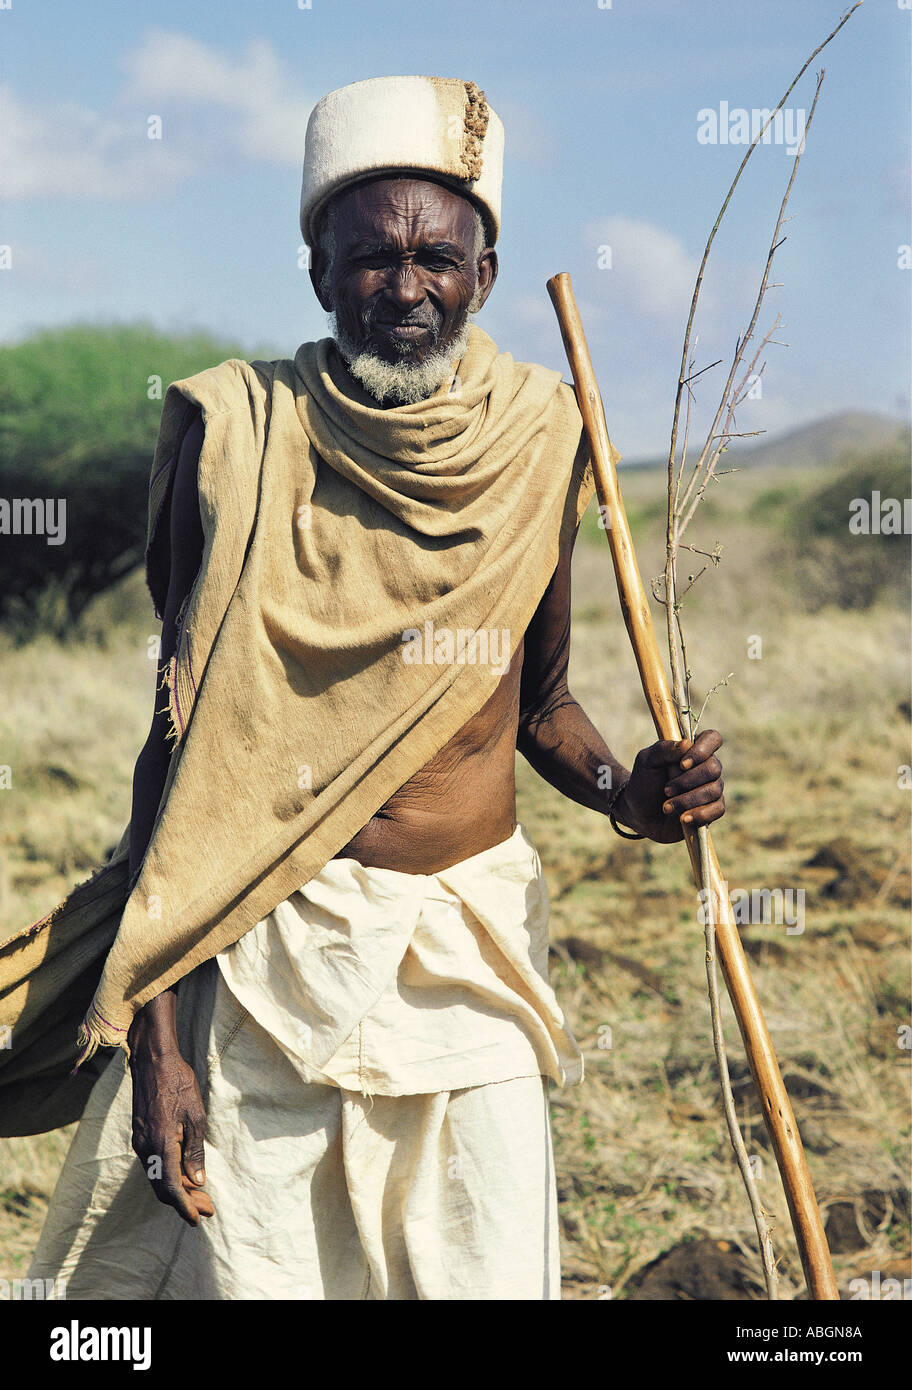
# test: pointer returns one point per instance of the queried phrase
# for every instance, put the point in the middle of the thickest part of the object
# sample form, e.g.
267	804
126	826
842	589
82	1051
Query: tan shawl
332	529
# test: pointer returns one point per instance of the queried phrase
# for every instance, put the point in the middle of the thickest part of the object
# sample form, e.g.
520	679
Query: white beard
403	382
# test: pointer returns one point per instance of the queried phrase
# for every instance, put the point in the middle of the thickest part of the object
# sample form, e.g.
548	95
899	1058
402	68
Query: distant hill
823	441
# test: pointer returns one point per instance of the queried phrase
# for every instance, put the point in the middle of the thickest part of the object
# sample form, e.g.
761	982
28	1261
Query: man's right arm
169	1118
185	548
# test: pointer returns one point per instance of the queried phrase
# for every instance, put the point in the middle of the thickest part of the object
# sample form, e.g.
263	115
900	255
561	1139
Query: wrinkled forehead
403	209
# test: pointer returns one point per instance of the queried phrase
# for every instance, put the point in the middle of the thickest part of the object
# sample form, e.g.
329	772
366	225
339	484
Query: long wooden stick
777	1110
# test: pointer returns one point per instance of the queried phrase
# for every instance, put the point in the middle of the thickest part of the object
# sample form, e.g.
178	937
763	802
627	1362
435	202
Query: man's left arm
669	781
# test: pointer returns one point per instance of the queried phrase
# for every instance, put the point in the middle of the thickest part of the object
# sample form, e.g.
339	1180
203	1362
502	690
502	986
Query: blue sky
600	105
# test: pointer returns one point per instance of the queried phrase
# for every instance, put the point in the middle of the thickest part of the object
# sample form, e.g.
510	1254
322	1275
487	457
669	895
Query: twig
680	511
711	691
724	207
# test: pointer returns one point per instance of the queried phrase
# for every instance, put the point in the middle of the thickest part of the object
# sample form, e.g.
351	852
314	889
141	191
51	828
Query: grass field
815	729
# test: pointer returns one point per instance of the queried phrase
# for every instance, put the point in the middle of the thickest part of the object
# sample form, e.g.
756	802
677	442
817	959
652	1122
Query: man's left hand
673	782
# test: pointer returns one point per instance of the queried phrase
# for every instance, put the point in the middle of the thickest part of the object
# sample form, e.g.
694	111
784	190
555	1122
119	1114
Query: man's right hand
169	1118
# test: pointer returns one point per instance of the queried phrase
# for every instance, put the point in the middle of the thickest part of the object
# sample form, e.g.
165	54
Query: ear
487	274
318	268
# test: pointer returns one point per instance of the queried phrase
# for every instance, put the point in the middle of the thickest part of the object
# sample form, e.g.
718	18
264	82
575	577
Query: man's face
403	275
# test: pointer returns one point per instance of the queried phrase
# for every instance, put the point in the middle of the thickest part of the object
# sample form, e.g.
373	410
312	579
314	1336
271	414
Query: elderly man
331	973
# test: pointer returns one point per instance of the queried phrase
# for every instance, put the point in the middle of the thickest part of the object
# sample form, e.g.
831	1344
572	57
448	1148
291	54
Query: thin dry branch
728	197
729	398
680	512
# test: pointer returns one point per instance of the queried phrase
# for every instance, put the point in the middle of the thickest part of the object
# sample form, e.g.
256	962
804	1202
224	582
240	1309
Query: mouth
403	331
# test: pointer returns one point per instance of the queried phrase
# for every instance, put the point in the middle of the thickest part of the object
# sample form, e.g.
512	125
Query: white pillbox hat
438	126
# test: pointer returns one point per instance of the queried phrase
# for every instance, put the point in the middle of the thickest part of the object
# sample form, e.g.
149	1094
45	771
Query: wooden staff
777	1110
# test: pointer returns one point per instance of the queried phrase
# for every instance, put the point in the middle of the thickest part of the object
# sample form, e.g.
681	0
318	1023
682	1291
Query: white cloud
534	310
651	272
65	149
271	112
68	150
634	316
528	136
35	267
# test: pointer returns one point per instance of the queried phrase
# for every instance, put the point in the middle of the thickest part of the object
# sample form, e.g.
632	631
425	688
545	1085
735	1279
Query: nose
403	289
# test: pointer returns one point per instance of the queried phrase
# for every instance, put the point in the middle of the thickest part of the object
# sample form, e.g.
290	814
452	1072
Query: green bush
831	564
79	415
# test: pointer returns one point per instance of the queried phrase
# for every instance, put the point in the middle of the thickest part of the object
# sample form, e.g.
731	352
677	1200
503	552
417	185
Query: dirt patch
762	948
841	873
852	1225
587	953
700	1271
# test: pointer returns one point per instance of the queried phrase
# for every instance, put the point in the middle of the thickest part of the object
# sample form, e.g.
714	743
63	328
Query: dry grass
814	734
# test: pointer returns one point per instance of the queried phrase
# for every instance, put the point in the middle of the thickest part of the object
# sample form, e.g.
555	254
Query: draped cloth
298	704
374	1060
392	983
